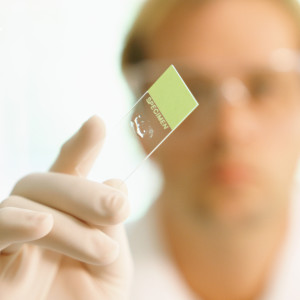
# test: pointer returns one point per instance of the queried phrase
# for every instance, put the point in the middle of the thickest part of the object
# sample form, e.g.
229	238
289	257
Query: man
217	230
219	226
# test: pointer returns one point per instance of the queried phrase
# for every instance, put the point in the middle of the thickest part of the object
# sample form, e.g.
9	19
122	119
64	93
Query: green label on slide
172	97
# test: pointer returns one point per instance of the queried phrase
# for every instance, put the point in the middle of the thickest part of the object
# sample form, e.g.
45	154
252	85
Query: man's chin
232	206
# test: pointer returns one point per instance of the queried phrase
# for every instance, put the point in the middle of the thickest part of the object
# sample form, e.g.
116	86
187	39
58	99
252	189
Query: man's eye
262	87
202	91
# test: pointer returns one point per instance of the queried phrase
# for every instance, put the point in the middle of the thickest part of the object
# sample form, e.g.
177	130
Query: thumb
78	154
117	184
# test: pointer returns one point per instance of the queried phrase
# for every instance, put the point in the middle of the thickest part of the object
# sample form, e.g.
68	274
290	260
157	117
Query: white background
59	65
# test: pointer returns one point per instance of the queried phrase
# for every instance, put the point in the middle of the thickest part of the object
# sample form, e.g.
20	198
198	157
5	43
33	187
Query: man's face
232	159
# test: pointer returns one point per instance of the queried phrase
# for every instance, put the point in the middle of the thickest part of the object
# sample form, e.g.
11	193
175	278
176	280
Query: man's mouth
230	174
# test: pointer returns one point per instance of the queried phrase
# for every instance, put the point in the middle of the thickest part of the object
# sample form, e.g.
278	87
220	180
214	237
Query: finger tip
118	184
117	210
110	255
94	127
44	224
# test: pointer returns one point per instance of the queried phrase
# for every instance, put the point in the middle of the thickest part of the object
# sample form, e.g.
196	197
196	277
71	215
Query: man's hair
153	14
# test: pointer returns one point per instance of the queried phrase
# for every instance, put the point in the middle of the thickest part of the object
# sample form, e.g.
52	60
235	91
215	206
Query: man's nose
235	119
234	91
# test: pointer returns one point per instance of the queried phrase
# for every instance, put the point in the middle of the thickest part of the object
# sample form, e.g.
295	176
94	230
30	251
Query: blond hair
153	14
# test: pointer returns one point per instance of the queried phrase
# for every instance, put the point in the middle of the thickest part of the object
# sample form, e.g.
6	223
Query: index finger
78	154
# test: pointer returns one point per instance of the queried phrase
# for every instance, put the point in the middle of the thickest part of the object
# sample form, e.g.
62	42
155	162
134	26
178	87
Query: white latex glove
61	235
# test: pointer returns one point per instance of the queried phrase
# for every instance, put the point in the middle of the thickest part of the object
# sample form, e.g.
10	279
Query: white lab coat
156	276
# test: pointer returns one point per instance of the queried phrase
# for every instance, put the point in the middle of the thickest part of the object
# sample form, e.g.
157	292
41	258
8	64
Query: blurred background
59	65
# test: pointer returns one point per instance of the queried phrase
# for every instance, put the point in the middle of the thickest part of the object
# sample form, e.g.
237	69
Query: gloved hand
61	235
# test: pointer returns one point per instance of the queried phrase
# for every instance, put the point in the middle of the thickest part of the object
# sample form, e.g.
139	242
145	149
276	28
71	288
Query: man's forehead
225	33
